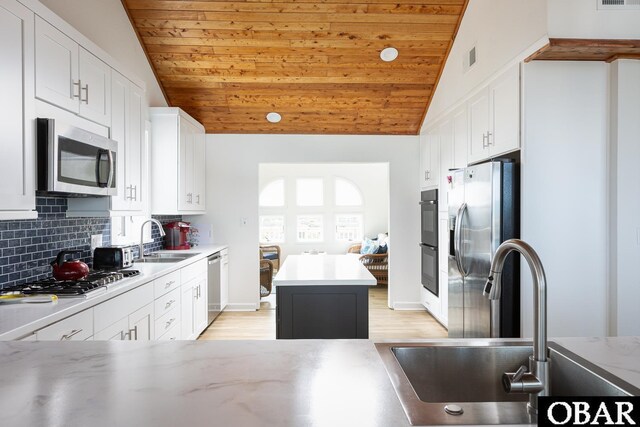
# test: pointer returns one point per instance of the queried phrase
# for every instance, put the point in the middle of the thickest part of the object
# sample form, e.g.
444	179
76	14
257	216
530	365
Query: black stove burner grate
68	288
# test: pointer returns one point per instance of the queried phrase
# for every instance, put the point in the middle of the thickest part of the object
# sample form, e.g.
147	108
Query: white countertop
18	320
230	383
315	270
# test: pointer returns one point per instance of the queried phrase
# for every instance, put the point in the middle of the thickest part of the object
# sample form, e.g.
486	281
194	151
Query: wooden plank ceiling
317	63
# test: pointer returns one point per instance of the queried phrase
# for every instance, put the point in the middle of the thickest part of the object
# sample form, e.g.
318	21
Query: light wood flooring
384	323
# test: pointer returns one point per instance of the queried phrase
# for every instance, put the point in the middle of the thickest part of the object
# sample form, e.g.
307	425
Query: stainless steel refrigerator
483	212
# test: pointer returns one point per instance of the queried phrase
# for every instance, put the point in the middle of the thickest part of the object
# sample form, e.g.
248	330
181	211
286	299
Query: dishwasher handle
214	259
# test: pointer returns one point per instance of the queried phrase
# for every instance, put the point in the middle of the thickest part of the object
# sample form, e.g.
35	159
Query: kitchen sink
428	376
165	257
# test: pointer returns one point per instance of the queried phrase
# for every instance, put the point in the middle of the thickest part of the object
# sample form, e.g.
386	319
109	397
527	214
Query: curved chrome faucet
536	381
162	233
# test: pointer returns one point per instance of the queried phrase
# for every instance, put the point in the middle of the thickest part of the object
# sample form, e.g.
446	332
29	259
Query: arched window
273	193
347	193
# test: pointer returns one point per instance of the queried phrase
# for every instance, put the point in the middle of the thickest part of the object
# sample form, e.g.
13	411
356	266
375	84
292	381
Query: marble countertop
314	270
228	383
19	320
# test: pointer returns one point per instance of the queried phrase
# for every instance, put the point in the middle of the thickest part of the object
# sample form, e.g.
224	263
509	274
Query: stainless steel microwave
74	161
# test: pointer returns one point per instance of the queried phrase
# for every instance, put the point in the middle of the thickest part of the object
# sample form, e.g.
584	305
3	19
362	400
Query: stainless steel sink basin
165	257
428	376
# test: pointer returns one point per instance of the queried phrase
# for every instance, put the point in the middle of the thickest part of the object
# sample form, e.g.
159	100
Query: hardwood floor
384	323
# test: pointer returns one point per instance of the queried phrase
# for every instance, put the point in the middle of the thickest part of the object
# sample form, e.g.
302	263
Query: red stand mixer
176	235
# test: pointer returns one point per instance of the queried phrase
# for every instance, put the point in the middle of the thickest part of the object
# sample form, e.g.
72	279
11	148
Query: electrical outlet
243	221
96	241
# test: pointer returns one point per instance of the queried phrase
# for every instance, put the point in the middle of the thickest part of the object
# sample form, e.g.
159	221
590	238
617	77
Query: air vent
469	59
619	4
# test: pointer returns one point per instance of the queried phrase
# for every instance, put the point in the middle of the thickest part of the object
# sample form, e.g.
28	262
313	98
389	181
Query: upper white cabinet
178	156
494	117
17	149
127	117
69	76
460	137
429	159
445	131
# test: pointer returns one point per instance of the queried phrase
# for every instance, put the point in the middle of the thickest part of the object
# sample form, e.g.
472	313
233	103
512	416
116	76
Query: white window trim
322	225
335	222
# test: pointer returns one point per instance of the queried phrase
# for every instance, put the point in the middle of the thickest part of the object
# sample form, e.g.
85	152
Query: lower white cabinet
118	331
194	308
142	324
171	307
127	317
78	327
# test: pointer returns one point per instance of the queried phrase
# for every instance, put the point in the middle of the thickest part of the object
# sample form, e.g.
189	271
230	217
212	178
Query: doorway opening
322	208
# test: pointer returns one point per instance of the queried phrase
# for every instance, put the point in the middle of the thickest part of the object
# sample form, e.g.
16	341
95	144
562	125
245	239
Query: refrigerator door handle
457	239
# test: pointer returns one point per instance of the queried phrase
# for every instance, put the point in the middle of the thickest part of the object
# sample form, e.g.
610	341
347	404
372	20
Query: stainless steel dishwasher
214	306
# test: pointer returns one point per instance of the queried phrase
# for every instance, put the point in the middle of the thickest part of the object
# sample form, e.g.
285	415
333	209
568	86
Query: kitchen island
322	296
258	383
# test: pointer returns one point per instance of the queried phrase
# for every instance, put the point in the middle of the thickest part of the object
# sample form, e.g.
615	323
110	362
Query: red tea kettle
69	270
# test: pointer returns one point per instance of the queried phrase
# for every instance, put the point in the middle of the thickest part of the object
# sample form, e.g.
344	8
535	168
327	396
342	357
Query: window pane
347	193
271	229
349	227
309	192
273	194
309	228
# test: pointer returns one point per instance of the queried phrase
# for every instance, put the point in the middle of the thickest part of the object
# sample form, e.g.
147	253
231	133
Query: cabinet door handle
489	138
86	92
133	333
169	303
129	188
135	193
68	336
73	87
198	199
426	175
169	322
485	140
169	284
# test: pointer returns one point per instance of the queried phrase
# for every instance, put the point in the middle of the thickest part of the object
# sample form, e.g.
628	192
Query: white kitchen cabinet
142	324
445	132
194	299
117	331
194	308
178	182
78	327
69	76
123	307
460	137
429	159
430	302
494	117
17	150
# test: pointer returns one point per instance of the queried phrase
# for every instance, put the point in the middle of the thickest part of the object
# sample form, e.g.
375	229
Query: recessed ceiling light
274	117
389	54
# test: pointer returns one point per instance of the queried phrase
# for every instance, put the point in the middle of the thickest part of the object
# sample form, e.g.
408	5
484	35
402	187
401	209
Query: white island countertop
315	270
295	383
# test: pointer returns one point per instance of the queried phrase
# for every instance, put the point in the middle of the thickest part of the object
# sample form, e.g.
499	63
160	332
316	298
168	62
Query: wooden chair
377	264
272	253
266	277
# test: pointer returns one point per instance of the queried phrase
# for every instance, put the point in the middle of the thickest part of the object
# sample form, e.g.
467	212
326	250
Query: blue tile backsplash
28	246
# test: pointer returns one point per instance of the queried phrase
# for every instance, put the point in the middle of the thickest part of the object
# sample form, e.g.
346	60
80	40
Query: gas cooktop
96	282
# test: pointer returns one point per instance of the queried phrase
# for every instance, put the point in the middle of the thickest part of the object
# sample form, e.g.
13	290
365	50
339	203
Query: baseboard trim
413	306
242	307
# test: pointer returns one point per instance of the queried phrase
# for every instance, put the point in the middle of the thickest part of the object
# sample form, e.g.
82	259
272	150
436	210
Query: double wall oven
429	240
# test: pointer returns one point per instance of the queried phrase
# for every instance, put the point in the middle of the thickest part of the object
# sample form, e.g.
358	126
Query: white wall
232	194
581	19
625	198
105	23
500	30
372	179
564	193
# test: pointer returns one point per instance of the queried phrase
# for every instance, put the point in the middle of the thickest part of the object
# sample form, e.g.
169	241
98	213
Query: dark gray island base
322	312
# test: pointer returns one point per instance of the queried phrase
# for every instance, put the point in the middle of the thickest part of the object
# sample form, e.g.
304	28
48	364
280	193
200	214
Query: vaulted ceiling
316	63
